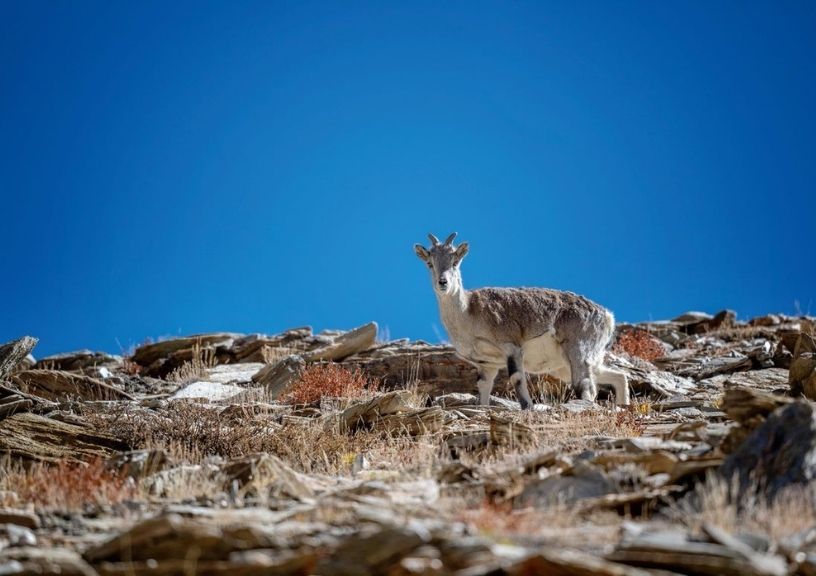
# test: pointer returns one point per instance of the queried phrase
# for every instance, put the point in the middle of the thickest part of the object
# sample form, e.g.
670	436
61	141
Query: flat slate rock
78	360
13	353
149	353
31	437
62	385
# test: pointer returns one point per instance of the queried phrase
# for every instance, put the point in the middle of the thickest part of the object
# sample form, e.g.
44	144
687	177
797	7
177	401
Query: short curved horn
434	239
450	239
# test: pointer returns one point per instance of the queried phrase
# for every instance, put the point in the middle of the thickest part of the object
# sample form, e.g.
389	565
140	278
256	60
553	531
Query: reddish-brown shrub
69	486
332	380
640	343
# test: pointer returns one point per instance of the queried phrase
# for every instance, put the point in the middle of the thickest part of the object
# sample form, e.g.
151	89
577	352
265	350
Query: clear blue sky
179	167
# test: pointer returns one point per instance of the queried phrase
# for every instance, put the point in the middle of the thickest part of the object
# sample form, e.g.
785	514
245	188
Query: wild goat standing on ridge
534	330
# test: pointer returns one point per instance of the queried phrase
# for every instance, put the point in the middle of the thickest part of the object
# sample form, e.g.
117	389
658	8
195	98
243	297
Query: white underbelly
545	354
542	355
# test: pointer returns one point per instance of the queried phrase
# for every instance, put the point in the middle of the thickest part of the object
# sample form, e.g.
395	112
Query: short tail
610	327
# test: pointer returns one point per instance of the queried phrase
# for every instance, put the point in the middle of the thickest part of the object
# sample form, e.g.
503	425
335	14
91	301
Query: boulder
584	481
365	414
778	454
802	378
268	474
277	378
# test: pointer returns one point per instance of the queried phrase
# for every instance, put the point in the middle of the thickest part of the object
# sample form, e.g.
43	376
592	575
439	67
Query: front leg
515	369
487	375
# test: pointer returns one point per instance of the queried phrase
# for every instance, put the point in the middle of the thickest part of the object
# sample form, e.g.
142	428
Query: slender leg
582	381
615	378
515	369
487	375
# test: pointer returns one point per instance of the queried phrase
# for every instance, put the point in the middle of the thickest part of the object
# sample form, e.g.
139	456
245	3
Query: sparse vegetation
640	343
185	430
67	486
719	502
323	445
558	524
330	380
202	359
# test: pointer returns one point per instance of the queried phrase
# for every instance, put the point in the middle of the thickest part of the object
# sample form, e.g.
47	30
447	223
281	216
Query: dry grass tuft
717	501
330	380
640	343
195	368
314	448
556	524
188	432
66	486
548	389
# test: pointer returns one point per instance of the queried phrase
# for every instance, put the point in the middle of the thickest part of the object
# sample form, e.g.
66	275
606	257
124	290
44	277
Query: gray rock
345	344
61	385
577	406
585	481
277	379
139	463
18	535
803	367
778	454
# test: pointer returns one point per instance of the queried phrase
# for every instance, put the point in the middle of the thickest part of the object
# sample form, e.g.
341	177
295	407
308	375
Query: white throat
453	307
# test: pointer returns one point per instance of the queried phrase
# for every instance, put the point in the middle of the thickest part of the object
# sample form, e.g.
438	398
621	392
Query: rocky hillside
334	453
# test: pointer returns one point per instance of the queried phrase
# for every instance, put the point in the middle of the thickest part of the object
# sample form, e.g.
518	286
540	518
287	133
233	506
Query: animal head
443	261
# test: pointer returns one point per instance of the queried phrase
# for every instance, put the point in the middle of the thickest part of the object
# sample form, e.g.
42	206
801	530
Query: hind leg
616	379
515	368
582	381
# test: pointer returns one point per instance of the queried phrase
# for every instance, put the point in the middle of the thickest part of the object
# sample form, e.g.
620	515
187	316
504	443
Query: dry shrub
630	421
576	431
68	486
548	389
640	343
557	523
186	431
720	502
130	367
313	448
329	380
196	368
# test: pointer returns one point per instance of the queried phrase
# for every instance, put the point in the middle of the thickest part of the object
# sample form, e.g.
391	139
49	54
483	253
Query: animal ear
422	252
461	250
